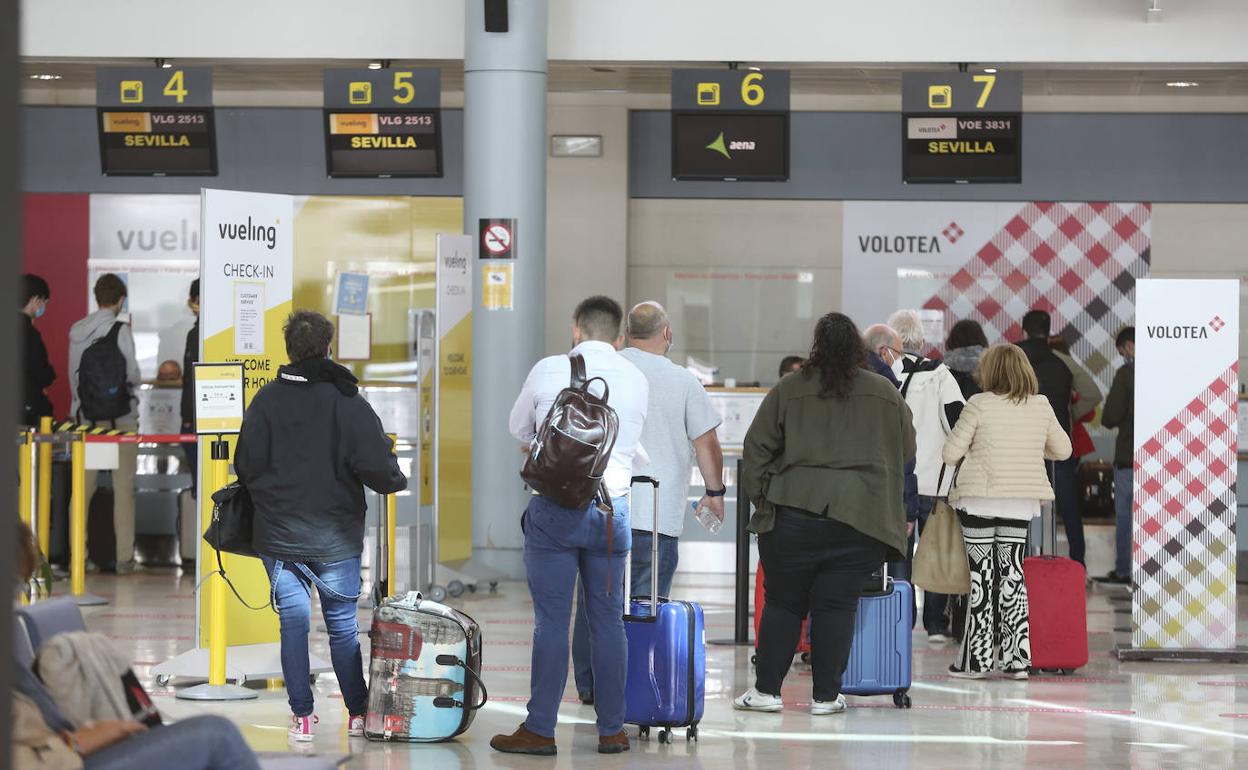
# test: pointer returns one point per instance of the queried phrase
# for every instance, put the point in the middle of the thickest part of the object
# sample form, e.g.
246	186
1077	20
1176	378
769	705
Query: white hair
879	336
909	327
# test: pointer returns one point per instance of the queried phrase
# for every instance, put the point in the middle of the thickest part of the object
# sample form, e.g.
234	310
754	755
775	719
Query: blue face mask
40	310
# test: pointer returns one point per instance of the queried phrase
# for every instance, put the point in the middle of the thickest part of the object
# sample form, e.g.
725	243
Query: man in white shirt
561	543
680	422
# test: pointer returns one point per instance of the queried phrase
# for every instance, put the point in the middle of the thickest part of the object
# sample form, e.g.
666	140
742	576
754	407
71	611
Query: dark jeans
338	583
1066	491
206	742
818	566
669	556
1123	491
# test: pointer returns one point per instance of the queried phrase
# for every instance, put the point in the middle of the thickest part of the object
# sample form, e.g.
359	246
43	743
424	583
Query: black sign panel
382	89
386	143
731	90
153	87
962	148
725	146
157	142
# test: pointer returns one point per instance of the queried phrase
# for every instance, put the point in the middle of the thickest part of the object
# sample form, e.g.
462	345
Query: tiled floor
1107	716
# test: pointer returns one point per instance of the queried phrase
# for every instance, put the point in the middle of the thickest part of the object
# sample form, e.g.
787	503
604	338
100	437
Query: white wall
711	31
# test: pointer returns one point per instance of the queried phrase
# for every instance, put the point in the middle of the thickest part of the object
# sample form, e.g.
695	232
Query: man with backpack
563	543
104	375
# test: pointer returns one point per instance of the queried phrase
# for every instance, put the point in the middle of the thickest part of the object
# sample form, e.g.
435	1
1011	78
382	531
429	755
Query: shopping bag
940	562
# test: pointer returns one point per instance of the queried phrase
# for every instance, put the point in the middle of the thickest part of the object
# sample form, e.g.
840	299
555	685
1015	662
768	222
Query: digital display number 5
752	92
176	87
987	81
404	91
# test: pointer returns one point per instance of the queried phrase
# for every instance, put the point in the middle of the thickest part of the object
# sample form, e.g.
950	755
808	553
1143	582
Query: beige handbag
940	563
35	746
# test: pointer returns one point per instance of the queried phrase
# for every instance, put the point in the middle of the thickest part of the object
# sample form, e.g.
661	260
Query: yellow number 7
988	82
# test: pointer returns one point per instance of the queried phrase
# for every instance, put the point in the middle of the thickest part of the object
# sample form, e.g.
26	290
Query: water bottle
707	518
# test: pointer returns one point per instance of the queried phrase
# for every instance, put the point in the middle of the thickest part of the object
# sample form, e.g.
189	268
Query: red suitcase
1057	610
760	599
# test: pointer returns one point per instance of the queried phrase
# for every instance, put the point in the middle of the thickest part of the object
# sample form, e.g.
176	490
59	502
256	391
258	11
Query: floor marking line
1141	720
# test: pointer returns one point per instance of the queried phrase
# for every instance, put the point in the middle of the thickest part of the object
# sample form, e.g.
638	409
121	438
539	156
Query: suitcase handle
453	660
654	546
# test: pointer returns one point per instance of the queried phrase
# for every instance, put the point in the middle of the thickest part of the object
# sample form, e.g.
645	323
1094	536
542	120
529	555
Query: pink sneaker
301	728
355	727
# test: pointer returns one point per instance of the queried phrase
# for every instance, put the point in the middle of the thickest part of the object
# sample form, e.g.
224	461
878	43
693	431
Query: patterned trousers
996	616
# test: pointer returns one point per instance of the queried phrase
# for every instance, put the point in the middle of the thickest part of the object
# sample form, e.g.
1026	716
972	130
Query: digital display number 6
752	92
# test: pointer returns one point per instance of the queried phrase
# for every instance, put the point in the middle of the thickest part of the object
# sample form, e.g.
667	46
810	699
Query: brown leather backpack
569	454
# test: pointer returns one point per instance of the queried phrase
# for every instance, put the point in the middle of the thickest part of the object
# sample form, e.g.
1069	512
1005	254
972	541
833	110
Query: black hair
33	286
1126	335
194	295
308	335
966	333
836	355
599	318
787	363
1037	323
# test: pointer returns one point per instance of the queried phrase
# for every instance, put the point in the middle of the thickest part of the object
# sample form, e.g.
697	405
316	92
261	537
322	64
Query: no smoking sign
498	238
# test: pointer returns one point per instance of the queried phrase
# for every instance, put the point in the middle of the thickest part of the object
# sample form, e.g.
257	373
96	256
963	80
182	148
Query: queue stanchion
78	524
741	582
25	481
217	689
43	489
391	531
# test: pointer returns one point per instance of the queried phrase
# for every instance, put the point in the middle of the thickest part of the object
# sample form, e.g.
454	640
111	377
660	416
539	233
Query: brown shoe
524	742
613	744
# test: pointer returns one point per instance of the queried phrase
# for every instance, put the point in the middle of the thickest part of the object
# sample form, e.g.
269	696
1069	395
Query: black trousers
813	565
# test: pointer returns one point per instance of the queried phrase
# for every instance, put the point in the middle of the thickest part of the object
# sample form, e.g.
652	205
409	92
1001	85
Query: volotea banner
246	269
453	394
1186	436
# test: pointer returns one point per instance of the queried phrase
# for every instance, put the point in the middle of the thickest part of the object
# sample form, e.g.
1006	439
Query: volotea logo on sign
1217	323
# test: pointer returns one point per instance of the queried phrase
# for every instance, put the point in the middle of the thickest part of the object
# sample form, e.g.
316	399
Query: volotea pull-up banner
1186	393
453	393
246	269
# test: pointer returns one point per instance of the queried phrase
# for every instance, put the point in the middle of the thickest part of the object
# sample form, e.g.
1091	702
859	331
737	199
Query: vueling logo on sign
722	147
249	231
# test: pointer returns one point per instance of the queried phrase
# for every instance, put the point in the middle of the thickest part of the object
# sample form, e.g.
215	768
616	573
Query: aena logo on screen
1185	331
249	231
722	147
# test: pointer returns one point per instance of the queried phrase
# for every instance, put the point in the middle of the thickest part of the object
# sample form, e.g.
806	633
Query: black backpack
569	454
103	390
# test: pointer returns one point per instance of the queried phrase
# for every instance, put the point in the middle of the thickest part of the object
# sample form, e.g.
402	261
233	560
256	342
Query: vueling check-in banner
246	268
453	458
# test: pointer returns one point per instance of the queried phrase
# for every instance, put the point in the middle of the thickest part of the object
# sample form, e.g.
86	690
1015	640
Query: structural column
504	178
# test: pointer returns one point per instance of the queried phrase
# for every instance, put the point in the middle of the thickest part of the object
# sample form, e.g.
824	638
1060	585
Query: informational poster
1186	437
993	262
351	297
218	398
355	337
453	398
247	242
497	287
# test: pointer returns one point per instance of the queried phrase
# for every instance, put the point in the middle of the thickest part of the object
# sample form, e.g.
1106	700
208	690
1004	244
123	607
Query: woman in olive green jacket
824	464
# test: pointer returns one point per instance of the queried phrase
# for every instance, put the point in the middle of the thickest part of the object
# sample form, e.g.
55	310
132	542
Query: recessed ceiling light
45	76
1182	84
990	70
602	69
374	65
755	69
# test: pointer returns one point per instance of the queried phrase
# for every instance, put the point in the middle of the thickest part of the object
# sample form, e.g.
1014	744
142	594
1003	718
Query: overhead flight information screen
730	146
155	142
394	143
963	148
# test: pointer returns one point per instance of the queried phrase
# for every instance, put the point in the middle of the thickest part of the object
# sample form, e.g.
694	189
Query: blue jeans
1066	492
561	544
206	742
338	583
1124	489
669	556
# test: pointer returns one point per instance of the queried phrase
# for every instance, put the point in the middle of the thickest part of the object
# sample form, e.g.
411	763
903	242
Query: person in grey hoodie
110	294
963	349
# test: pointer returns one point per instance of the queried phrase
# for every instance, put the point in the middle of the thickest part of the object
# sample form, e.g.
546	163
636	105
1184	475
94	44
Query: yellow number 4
987	81
176	87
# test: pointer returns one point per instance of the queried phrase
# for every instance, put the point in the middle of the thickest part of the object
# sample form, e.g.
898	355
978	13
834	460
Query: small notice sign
497	290
498	238
352	296
218	398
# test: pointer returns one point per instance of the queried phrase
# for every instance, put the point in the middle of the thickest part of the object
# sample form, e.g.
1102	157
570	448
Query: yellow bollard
44	490
216	585
78	518
24	470
391	530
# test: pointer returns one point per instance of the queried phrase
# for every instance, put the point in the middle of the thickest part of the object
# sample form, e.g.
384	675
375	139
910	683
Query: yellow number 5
176	87
752	89
988	81
405	92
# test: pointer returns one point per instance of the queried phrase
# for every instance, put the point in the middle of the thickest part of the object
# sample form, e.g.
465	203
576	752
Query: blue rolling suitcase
880	659
666	684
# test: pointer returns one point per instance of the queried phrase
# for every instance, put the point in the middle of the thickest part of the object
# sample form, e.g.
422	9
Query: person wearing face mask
38	373
679	416
936	400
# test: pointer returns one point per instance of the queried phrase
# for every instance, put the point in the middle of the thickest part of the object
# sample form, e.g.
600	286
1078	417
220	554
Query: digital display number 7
987	81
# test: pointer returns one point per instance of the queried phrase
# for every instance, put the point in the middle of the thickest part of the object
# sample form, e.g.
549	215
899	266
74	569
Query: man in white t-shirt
680	423
563	544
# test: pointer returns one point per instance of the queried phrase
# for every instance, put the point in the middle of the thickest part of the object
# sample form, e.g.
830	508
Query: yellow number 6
988	81
404	90
752	89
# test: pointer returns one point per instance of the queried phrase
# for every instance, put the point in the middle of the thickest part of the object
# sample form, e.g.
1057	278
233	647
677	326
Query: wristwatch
716	492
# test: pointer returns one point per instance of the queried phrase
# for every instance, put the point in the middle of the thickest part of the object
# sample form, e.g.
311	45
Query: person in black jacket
308	447
37	371
1057	385
1119	412
189	356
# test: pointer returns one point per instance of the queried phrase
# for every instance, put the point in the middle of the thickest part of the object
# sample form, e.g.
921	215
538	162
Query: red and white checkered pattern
953	233
1079	261
1184	512
1217	323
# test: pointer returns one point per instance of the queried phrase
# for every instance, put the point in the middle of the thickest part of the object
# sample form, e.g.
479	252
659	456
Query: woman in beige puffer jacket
1002	440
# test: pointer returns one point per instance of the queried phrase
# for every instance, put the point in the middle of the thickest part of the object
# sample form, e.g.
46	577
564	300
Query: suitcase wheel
805	657
643	733
691	734
754	659
901	700
163	680
455	588
665	735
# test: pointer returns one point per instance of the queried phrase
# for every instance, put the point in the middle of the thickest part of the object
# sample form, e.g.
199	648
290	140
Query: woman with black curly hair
824	465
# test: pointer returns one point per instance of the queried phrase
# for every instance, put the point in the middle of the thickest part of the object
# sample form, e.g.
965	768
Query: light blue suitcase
882	653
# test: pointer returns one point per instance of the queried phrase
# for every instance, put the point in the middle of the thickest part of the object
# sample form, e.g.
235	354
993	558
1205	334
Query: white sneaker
302	728
957	674
821	708
938	639
1021	675
753	700
355	727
